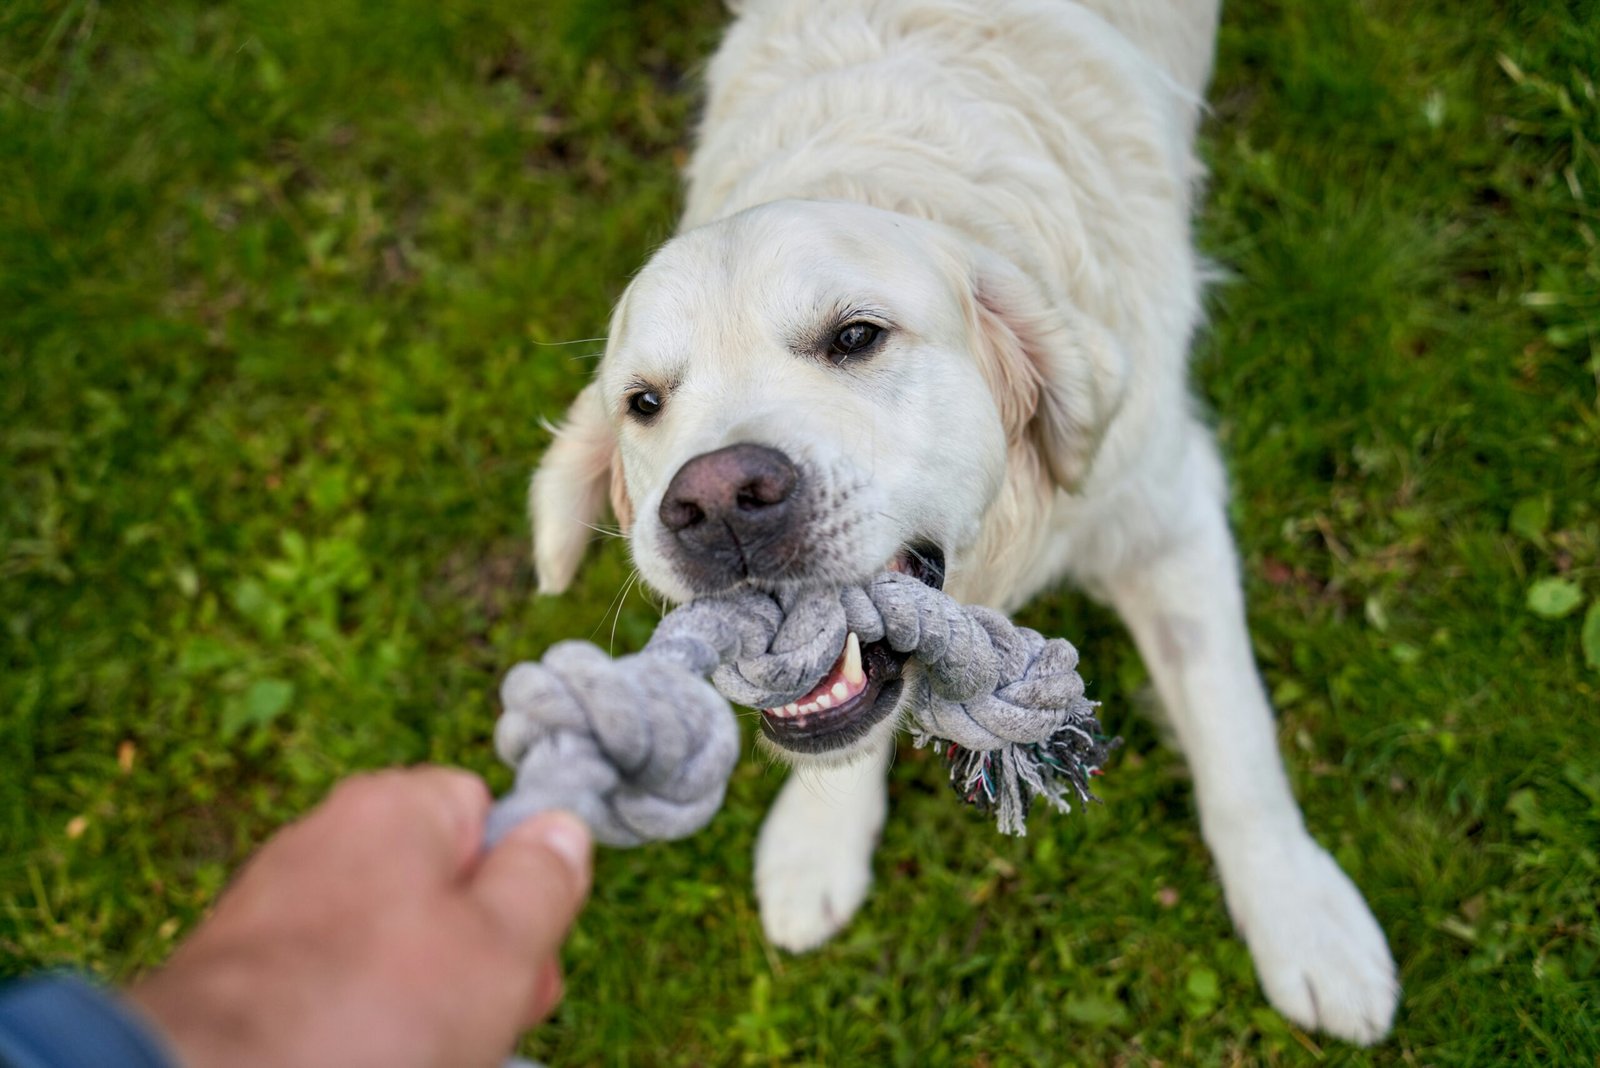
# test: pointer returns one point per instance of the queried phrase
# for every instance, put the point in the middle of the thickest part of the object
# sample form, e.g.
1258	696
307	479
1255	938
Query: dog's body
933	301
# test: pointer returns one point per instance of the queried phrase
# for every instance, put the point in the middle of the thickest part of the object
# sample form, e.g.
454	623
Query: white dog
930	307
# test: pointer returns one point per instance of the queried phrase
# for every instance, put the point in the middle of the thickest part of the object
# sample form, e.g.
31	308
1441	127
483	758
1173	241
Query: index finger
434	810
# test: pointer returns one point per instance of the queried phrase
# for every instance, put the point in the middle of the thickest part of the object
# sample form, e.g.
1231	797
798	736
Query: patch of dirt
487	581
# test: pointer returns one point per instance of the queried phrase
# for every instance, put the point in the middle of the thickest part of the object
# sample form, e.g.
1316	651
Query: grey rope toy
641	747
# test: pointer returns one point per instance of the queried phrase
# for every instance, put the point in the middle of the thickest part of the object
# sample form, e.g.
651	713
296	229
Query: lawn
287	289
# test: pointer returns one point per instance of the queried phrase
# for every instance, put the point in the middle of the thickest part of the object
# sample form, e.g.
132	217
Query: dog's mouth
861	688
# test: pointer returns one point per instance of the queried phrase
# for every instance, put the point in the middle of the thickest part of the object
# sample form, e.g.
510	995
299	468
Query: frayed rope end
1004	782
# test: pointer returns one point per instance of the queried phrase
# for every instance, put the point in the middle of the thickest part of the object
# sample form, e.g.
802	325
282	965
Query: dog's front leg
1320	955
814	855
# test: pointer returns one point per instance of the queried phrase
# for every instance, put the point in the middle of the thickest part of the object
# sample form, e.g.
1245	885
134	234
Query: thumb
534	882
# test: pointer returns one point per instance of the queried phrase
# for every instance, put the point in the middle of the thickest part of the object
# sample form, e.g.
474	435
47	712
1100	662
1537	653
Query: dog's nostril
764	493
681	515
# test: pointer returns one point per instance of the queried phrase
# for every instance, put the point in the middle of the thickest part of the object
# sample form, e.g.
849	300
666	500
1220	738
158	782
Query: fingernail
566	836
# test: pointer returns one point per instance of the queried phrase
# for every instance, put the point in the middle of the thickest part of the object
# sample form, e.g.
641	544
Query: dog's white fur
1008	183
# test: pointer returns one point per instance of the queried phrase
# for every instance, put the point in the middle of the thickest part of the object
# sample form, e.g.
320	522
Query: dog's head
808	392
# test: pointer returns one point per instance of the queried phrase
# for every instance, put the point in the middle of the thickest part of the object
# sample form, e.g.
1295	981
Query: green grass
280	291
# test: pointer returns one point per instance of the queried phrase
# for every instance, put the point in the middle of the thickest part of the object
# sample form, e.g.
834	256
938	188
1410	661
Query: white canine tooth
825	701
840	691
852	661
791	708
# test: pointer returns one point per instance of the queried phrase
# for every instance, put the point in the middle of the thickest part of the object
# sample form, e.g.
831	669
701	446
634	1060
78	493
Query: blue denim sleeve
61	1022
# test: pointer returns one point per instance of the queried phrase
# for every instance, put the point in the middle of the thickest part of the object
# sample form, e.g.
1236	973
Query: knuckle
362	786
367	793
463	786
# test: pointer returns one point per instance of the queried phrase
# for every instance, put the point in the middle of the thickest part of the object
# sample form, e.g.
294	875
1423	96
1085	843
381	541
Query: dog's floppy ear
1057	376
580	469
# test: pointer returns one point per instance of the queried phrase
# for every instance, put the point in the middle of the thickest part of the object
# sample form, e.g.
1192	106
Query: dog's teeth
852	661
850	680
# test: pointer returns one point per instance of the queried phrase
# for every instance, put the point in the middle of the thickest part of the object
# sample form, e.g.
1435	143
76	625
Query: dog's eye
852	340
645	404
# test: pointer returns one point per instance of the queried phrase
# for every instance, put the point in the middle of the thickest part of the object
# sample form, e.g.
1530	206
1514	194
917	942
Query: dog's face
807	393
790	386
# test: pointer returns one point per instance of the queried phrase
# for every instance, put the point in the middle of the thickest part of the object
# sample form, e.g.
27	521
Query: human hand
375	932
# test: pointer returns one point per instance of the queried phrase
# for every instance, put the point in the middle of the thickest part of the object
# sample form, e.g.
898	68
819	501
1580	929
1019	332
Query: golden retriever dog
930	308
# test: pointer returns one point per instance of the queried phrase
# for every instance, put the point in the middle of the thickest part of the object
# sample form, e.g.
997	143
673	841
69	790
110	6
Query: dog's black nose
745	487
731	511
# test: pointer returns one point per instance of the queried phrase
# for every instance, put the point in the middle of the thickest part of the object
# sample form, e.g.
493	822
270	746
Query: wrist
207	1007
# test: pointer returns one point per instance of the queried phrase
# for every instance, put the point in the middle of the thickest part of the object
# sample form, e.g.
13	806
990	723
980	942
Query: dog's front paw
814	856
1319	953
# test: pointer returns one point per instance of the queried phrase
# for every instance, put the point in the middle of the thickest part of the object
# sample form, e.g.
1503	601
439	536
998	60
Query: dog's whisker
652	598
616	618
610	532
574	341
822	787
772	759
923	560
615	605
